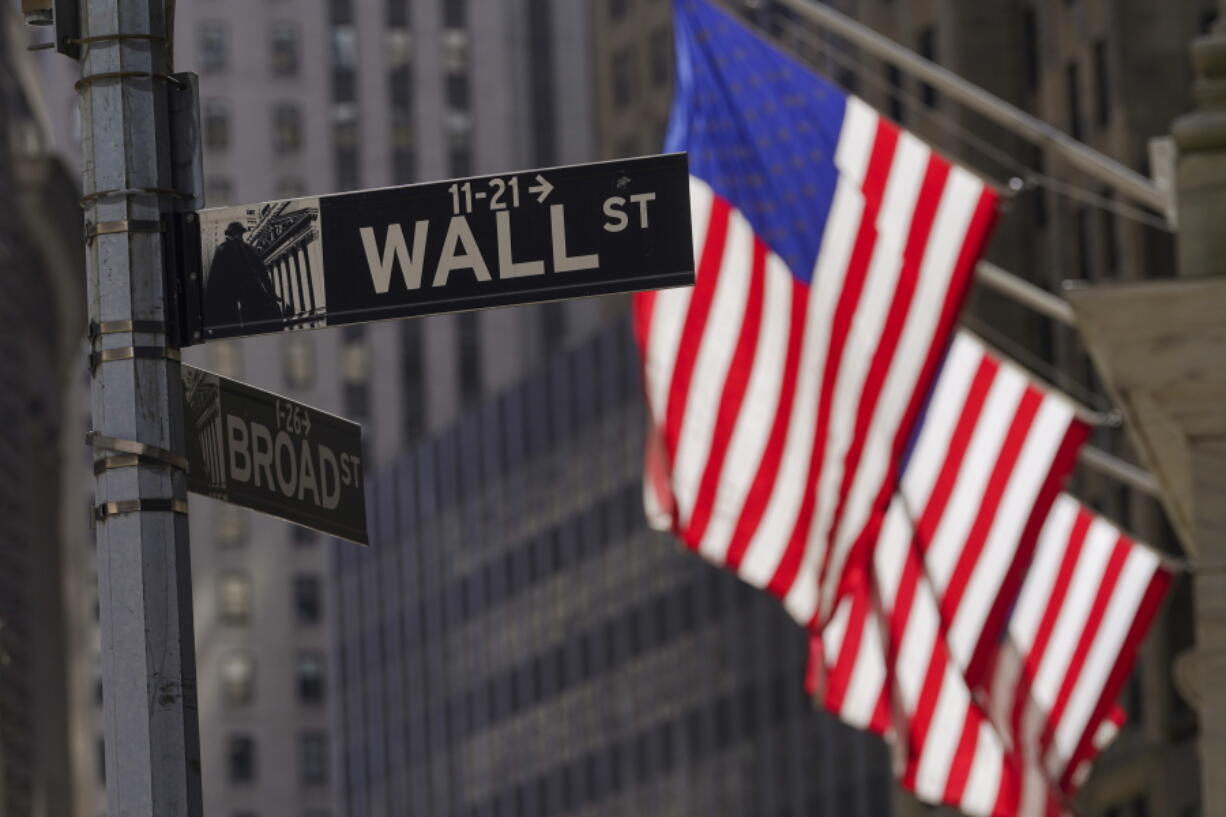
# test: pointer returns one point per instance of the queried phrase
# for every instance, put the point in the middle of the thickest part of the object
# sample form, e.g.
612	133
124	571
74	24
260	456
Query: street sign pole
150	725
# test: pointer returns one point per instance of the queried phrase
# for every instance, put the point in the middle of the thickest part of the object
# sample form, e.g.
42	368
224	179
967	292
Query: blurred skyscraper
43	526
518	643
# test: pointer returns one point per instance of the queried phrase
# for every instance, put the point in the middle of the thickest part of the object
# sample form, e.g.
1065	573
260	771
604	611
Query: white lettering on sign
618	218
297	469
460	250
612	209
507	266
395	252
561	261
641	200
458	232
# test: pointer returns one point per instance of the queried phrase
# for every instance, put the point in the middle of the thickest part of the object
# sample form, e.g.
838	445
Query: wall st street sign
264	452
396	252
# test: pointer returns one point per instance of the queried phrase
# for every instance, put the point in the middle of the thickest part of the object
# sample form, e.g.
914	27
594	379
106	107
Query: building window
240	758
460	154
894	107
400	87
1102	84
1030	47
238	679
928	50
283	48
457	92
303	537
289	187
661	57
226	358
455	13
235	598
404	154
355	371
214	47
541	73
553	327
1109	233
340	12
216	124
397	13
413	400
309	678
618	9
219	191
1085	263
1072	84
308	599
624	77
469	329
231	526
404	165
299	358
1038	194
344	64
313	758
286	128
348	158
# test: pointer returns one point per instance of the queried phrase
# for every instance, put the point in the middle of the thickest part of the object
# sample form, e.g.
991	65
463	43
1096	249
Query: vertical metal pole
144	575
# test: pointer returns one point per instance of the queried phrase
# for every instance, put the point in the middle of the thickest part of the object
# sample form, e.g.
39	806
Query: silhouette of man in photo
239	289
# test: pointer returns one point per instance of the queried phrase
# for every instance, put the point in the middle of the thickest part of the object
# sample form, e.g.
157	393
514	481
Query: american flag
1085	606
1022	682
941	635
834	252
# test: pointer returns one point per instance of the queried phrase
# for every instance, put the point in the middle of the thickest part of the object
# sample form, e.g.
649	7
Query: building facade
517	642
43	526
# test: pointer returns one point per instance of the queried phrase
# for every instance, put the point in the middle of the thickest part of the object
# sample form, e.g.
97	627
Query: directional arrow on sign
543	189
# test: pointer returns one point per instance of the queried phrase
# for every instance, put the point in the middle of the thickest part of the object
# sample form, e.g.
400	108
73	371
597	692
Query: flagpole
1091	162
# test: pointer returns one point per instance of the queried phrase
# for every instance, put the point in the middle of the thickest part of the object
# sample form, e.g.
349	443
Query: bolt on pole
150	722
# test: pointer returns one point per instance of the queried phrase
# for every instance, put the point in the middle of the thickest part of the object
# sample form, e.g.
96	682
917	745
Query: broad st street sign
535	235
264	452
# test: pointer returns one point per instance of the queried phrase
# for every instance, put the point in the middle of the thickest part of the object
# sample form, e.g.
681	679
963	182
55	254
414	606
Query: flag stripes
1071	642
799	436
781	406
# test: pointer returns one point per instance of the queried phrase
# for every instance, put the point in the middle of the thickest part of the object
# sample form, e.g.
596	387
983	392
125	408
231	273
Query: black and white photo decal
263	266
205	440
